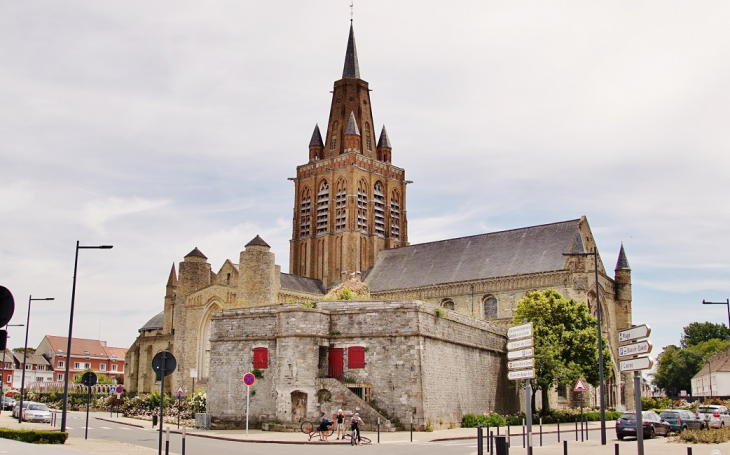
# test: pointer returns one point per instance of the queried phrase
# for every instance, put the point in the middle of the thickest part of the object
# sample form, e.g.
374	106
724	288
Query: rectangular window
261	358
43	367
30	367
77	365
10	377
62	364
76	377
355	357
115	366
102	367
87	366
59	376
40	379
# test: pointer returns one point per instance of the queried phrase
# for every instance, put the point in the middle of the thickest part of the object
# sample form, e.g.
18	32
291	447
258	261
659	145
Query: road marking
106	428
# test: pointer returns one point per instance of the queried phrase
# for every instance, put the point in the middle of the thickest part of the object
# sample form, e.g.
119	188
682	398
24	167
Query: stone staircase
352	402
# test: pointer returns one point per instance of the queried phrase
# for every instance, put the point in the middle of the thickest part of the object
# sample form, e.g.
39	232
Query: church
364	320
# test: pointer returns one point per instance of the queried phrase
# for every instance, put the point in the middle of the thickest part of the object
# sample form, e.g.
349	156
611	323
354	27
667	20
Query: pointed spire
316	138
623	262
384	141
172	281
352	125
352	69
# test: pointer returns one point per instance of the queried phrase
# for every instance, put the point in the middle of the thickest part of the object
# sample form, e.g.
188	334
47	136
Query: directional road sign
642	347
580	386
639	363
520	331
519	344
521	374
634	333
519	364
529	352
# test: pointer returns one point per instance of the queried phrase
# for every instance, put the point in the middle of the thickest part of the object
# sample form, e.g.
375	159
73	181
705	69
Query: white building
714	378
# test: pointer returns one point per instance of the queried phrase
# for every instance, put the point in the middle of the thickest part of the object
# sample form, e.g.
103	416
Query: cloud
95	214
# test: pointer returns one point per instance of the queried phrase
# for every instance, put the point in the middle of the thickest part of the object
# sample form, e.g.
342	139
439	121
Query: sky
158	127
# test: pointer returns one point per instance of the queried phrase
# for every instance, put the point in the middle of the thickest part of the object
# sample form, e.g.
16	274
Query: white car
715	416
37	412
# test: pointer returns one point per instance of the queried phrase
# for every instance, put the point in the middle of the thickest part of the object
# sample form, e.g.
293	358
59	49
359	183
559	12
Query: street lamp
727	302
600	343
70	329
25	354
2	375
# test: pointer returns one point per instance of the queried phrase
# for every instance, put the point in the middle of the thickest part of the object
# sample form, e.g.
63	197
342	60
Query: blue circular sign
249	379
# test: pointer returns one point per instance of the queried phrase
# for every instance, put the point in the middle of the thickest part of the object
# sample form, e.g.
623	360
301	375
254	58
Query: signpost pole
637	406
528	414
248	394
163	369
88	402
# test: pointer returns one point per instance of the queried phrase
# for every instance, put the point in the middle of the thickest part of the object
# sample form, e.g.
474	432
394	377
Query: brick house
85	354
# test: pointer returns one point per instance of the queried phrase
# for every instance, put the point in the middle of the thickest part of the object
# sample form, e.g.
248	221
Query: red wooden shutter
261	358
356	357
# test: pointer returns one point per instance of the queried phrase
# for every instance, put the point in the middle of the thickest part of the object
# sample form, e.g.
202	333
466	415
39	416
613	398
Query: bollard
497	430
540	431
523	433
508	435
167	441
689	450
411	429
586	430
480	441
183	441
378	430
488	432
491	442
581	430
565	447
558	430
615	449
500	445
576	431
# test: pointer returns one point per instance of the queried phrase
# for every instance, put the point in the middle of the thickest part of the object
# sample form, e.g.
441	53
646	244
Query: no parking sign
249	379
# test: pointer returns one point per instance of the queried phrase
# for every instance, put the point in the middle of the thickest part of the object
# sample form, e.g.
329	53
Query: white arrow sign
529	352
519	364
634	333
642	347
521	374
639	363
519	344
520	331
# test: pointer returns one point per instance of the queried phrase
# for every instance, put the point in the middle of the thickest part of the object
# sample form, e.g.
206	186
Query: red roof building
85	354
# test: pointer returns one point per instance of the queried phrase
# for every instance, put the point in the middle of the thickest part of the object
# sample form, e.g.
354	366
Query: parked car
8	404
651	422
16	409
36	412
680	420
715	416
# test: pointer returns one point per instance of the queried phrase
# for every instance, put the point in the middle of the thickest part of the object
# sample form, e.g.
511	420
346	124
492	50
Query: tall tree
698	332
566	342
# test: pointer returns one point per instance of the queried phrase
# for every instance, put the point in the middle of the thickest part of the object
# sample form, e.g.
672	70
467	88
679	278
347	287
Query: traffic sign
634	333
249	379
521	374
642	347
519	364
519	331
180	390
580	386
164	363
112	389
519	344
120	389
7	306
639	363
88	379
529	352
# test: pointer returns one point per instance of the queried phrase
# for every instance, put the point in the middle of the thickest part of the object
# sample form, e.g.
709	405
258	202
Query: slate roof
316	140
196	253
623	262
302	284
384	141
506	253
352	125
32	359
352	68
258	241
154	323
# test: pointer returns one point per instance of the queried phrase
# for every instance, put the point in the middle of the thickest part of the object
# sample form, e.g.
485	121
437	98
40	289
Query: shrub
492	420
34	436
710	436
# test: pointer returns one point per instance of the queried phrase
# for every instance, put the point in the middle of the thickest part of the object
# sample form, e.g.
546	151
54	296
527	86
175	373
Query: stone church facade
426	340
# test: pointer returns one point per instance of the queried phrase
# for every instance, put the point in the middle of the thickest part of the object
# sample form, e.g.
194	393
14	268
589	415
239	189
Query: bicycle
311	429
353	438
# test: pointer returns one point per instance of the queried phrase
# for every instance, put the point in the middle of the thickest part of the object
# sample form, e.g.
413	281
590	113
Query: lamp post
600	343
25	354
727	302
2	375
70	329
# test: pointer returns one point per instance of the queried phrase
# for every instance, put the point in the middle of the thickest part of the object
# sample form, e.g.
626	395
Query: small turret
194	272
316	146
170	293
622	277
259	280
384	147
352	135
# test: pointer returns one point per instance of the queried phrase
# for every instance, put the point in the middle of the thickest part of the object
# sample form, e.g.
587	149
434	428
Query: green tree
20	350
566	342
676	366
698	332
100	378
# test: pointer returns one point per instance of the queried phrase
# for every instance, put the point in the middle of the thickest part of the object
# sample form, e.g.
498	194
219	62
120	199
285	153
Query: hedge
34	436
496	420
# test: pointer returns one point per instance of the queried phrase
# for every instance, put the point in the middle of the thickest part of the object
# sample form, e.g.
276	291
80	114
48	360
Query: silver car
37	412
715	416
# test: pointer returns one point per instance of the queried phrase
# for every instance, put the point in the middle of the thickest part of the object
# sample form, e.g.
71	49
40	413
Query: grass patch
34	436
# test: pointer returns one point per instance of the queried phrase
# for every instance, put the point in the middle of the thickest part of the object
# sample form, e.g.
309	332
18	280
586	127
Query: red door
335	362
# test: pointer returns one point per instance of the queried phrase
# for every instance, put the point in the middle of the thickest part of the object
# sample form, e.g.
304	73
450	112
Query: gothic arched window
305	214
395	215
340	205
362	207
323	207
491	307
379	209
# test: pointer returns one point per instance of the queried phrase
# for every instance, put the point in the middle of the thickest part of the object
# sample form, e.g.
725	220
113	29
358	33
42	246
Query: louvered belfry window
379	209
362	207
323	207
340	205
395	216
305	214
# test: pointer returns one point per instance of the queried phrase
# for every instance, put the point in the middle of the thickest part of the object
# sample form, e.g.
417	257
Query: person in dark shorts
355	423
340	421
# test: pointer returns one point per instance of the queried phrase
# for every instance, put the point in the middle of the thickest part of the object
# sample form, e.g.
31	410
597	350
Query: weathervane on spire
352	4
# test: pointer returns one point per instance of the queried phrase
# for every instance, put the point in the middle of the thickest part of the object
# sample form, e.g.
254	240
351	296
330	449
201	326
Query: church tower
349	199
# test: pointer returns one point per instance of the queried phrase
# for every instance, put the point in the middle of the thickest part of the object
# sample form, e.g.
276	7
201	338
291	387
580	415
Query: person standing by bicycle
355	424
340	421
324	428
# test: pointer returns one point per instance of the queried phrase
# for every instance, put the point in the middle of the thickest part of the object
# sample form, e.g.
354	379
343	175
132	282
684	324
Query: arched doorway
298	406
204	341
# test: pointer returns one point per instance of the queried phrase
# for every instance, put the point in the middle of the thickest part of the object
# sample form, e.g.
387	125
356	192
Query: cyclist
324	428
355	423
340	419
